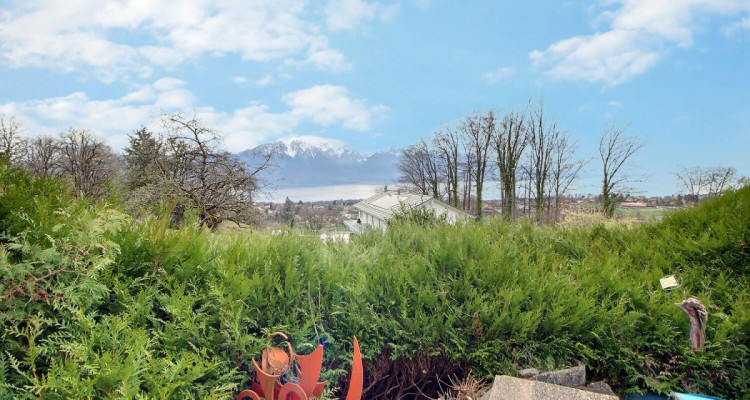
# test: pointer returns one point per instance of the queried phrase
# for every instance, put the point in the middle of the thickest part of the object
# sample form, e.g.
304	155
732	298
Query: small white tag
669	282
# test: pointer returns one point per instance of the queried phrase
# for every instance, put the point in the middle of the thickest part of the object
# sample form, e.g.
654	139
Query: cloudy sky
380	74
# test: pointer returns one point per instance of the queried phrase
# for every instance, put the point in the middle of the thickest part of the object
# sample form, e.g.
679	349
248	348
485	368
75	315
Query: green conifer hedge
96	304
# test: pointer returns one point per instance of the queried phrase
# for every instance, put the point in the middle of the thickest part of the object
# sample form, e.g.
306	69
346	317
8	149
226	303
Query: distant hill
311	162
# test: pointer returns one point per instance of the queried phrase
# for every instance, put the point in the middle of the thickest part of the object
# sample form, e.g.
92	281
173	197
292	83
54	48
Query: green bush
99	305
421	216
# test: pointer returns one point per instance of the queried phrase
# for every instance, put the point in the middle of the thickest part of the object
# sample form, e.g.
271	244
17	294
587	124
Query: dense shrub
422	216
96	304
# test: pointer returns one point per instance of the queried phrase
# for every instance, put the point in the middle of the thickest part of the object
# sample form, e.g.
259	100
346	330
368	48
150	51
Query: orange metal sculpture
276	361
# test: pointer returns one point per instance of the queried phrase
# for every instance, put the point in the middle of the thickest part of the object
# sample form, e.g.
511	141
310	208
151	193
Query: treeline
708	181
534	160
183	167
525	151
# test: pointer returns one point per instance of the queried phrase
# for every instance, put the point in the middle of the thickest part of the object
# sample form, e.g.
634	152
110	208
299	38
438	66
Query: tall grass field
98	304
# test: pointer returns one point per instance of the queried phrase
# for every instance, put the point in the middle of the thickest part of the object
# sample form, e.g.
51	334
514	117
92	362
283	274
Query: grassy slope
141	310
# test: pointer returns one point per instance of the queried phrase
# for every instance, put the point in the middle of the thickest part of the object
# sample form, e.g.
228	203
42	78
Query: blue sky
375	75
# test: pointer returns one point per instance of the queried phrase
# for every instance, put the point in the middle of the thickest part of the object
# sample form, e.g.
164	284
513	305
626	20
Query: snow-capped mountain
310	161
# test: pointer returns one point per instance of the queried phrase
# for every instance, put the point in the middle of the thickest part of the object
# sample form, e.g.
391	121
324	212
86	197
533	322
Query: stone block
528	373
570	377
599	387
510	388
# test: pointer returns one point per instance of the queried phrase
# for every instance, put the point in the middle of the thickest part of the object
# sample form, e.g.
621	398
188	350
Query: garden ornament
276	361
698	316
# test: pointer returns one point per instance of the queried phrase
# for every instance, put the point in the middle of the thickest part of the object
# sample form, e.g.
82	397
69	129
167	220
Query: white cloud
641	32
264	81
614	104
112	118
328	104
329	60
498	75
737	26
390	12
610	58
347	15
70	36
169	84
247	127
239	79
241	128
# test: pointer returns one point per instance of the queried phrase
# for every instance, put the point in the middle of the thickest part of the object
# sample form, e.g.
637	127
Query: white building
375	211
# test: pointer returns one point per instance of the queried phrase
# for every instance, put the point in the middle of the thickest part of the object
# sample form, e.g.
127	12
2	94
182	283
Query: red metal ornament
276	362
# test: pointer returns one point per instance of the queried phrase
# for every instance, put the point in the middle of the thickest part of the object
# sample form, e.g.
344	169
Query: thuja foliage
421	216
96	304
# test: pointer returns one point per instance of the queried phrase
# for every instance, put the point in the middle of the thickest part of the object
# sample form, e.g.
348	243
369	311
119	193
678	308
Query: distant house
375	211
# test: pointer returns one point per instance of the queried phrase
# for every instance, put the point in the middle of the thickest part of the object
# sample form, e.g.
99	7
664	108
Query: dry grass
468	388
586	220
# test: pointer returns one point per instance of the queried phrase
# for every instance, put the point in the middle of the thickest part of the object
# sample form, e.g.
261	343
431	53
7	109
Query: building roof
383	205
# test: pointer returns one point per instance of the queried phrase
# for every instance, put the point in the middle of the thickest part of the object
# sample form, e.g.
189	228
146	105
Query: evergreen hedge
96	304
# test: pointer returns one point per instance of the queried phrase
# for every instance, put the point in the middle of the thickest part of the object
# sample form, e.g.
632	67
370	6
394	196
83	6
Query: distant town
330	215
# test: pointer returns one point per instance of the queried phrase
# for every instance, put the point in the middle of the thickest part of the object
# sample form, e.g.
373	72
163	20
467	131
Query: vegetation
184	165
524	151
197	173
420	216
615	151
534	161
97	304
709	181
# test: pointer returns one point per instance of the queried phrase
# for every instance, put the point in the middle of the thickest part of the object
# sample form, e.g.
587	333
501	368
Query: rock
510	388
570	377
599	387
528	373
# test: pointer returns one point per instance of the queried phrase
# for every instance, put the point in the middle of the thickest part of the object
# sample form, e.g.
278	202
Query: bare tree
509	142
262	157
43	156
720	179
420	168
479	129
448	144
714	181
88	161
692	180
543	135
615	150
526	183
12	143
565	169
211	180
467	177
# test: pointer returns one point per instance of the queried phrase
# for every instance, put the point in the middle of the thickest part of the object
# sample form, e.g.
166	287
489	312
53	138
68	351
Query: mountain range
312	162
